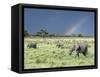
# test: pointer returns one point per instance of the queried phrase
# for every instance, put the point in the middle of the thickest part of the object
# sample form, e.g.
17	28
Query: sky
62	22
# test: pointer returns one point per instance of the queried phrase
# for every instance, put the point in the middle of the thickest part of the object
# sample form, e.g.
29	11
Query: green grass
47	55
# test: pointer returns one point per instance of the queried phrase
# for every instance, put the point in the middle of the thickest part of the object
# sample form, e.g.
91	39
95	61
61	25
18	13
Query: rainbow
74	26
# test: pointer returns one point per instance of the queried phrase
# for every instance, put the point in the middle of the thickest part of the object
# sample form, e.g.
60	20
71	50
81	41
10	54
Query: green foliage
43	33
80	35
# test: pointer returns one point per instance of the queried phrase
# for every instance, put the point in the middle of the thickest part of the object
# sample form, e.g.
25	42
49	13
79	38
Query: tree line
44	33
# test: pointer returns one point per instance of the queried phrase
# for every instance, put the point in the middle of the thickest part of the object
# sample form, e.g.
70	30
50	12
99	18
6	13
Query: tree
42	33
80	35
26	33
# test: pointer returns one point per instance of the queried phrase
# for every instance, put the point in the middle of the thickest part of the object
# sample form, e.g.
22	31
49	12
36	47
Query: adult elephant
79	48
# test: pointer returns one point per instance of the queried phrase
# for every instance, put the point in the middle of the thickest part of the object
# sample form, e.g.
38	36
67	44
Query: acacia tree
44	33
80	35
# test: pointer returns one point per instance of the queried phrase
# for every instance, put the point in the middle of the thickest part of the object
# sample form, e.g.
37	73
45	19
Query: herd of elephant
77	48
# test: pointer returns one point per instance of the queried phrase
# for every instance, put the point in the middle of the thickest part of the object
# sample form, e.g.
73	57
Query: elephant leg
77	54
84	54
70	53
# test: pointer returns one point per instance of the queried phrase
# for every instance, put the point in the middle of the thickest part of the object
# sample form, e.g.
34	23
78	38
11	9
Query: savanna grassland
48	55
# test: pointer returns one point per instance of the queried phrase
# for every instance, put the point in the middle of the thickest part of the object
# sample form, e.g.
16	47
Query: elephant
79	48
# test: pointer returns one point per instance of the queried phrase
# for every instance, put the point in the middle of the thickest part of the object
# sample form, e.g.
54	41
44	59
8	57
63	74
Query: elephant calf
32	45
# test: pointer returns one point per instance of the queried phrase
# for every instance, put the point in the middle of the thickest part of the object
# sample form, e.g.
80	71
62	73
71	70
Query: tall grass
47	55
